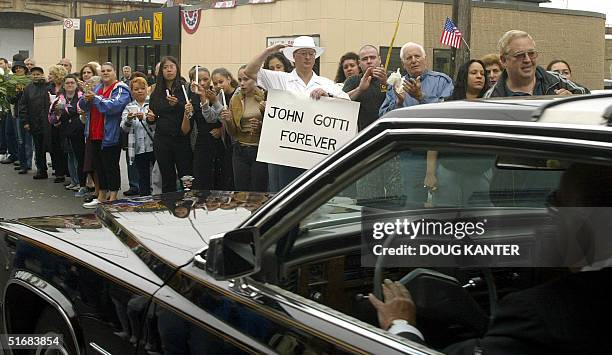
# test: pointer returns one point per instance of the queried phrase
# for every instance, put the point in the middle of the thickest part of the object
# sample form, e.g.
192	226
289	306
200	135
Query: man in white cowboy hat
302	79
303	54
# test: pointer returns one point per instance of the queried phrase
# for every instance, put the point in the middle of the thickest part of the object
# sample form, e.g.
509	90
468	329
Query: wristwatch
399	322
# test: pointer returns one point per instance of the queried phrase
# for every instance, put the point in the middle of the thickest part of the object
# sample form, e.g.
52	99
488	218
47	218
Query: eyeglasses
532	54
306	53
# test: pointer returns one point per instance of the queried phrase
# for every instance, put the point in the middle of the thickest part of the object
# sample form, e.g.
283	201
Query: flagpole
393	38
466	45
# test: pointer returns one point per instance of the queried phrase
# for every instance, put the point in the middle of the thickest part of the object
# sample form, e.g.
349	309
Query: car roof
578	109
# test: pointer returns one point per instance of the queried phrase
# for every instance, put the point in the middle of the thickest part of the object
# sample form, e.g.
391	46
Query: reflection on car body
213	272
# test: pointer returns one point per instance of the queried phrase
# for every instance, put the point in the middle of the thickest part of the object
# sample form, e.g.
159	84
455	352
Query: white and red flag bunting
261	1
451	35
191	20
224	4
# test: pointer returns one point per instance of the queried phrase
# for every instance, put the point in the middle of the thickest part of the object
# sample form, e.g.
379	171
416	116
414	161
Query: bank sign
133	28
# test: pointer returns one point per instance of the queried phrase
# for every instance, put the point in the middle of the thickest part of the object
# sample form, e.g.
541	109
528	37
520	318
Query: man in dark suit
569	315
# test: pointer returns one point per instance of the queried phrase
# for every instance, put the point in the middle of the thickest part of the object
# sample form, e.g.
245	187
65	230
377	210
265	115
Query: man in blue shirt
420	85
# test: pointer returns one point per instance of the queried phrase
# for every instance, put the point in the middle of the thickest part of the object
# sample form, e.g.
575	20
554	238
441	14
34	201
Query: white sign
288	40
298	131
72	23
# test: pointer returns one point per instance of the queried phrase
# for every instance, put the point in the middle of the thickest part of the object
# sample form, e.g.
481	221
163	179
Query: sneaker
22	171
88	197
76	188
17	163
130	192
7	160
81	192
93	204
59	179
68	182
17	168
70	186
40	176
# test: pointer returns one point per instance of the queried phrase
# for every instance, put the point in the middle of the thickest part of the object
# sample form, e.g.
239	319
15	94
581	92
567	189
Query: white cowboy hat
302	42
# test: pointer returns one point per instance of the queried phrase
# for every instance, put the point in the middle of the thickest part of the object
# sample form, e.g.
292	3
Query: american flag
451	35
224	4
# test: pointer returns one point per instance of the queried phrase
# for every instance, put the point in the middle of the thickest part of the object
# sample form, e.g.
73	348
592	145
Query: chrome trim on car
47	299
99	349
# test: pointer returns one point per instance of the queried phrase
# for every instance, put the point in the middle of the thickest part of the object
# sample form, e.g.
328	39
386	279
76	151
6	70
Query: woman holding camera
208	147
140	134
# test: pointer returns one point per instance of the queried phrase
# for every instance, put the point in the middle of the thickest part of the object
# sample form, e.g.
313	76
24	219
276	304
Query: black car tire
49	324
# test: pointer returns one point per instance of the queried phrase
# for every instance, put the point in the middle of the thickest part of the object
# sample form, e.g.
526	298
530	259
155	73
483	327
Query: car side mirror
233	254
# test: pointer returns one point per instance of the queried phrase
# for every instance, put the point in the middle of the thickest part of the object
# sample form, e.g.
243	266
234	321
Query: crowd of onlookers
205	126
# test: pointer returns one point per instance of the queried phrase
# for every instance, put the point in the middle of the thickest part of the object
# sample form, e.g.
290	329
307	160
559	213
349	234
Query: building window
442	60
394	62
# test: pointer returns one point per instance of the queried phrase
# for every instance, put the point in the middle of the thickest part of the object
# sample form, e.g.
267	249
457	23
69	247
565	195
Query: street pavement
22	196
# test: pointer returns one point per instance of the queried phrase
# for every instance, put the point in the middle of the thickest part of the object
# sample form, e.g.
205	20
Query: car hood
170	228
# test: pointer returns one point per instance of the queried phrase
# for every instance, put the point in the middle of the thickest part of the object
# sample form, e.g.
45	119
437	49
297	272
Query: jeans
73	168
10	134
413	167
286	175
273	183
249	174
24	145
133	177
2	133
143	163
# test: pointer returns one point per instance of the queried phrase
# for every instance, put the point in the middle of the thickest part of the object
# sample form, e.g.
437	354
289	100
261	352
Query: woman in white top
302	79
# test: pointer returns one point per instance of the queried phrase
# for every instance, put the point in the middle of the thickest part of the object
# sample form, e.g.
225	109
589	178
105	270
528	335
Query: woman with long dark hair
208	146
471	82
278	62
223	81
454	179
348	66
171	114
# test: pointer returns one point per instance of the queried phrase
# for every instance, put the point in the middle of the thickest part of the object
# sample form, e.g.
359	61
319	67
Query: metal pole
464	24
453	63
64	43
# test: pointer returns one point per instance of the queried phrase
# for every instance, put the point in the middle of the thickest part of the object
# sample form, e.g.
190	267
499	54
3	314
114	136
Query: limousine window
324	262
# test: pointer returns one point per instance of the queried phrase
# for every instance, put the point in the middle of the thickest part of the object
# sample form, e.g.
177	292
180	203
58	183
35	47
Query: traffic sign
72	23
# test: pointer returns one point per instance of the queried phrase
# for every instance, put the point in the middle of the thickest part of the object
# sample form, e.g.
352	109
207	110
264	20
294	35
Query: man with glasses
523	77
303	53
367	87
420	85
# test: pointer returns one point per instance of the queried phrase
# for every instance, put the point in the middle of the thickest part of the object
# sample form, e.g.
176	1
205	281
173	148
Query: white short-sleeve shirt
269	79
